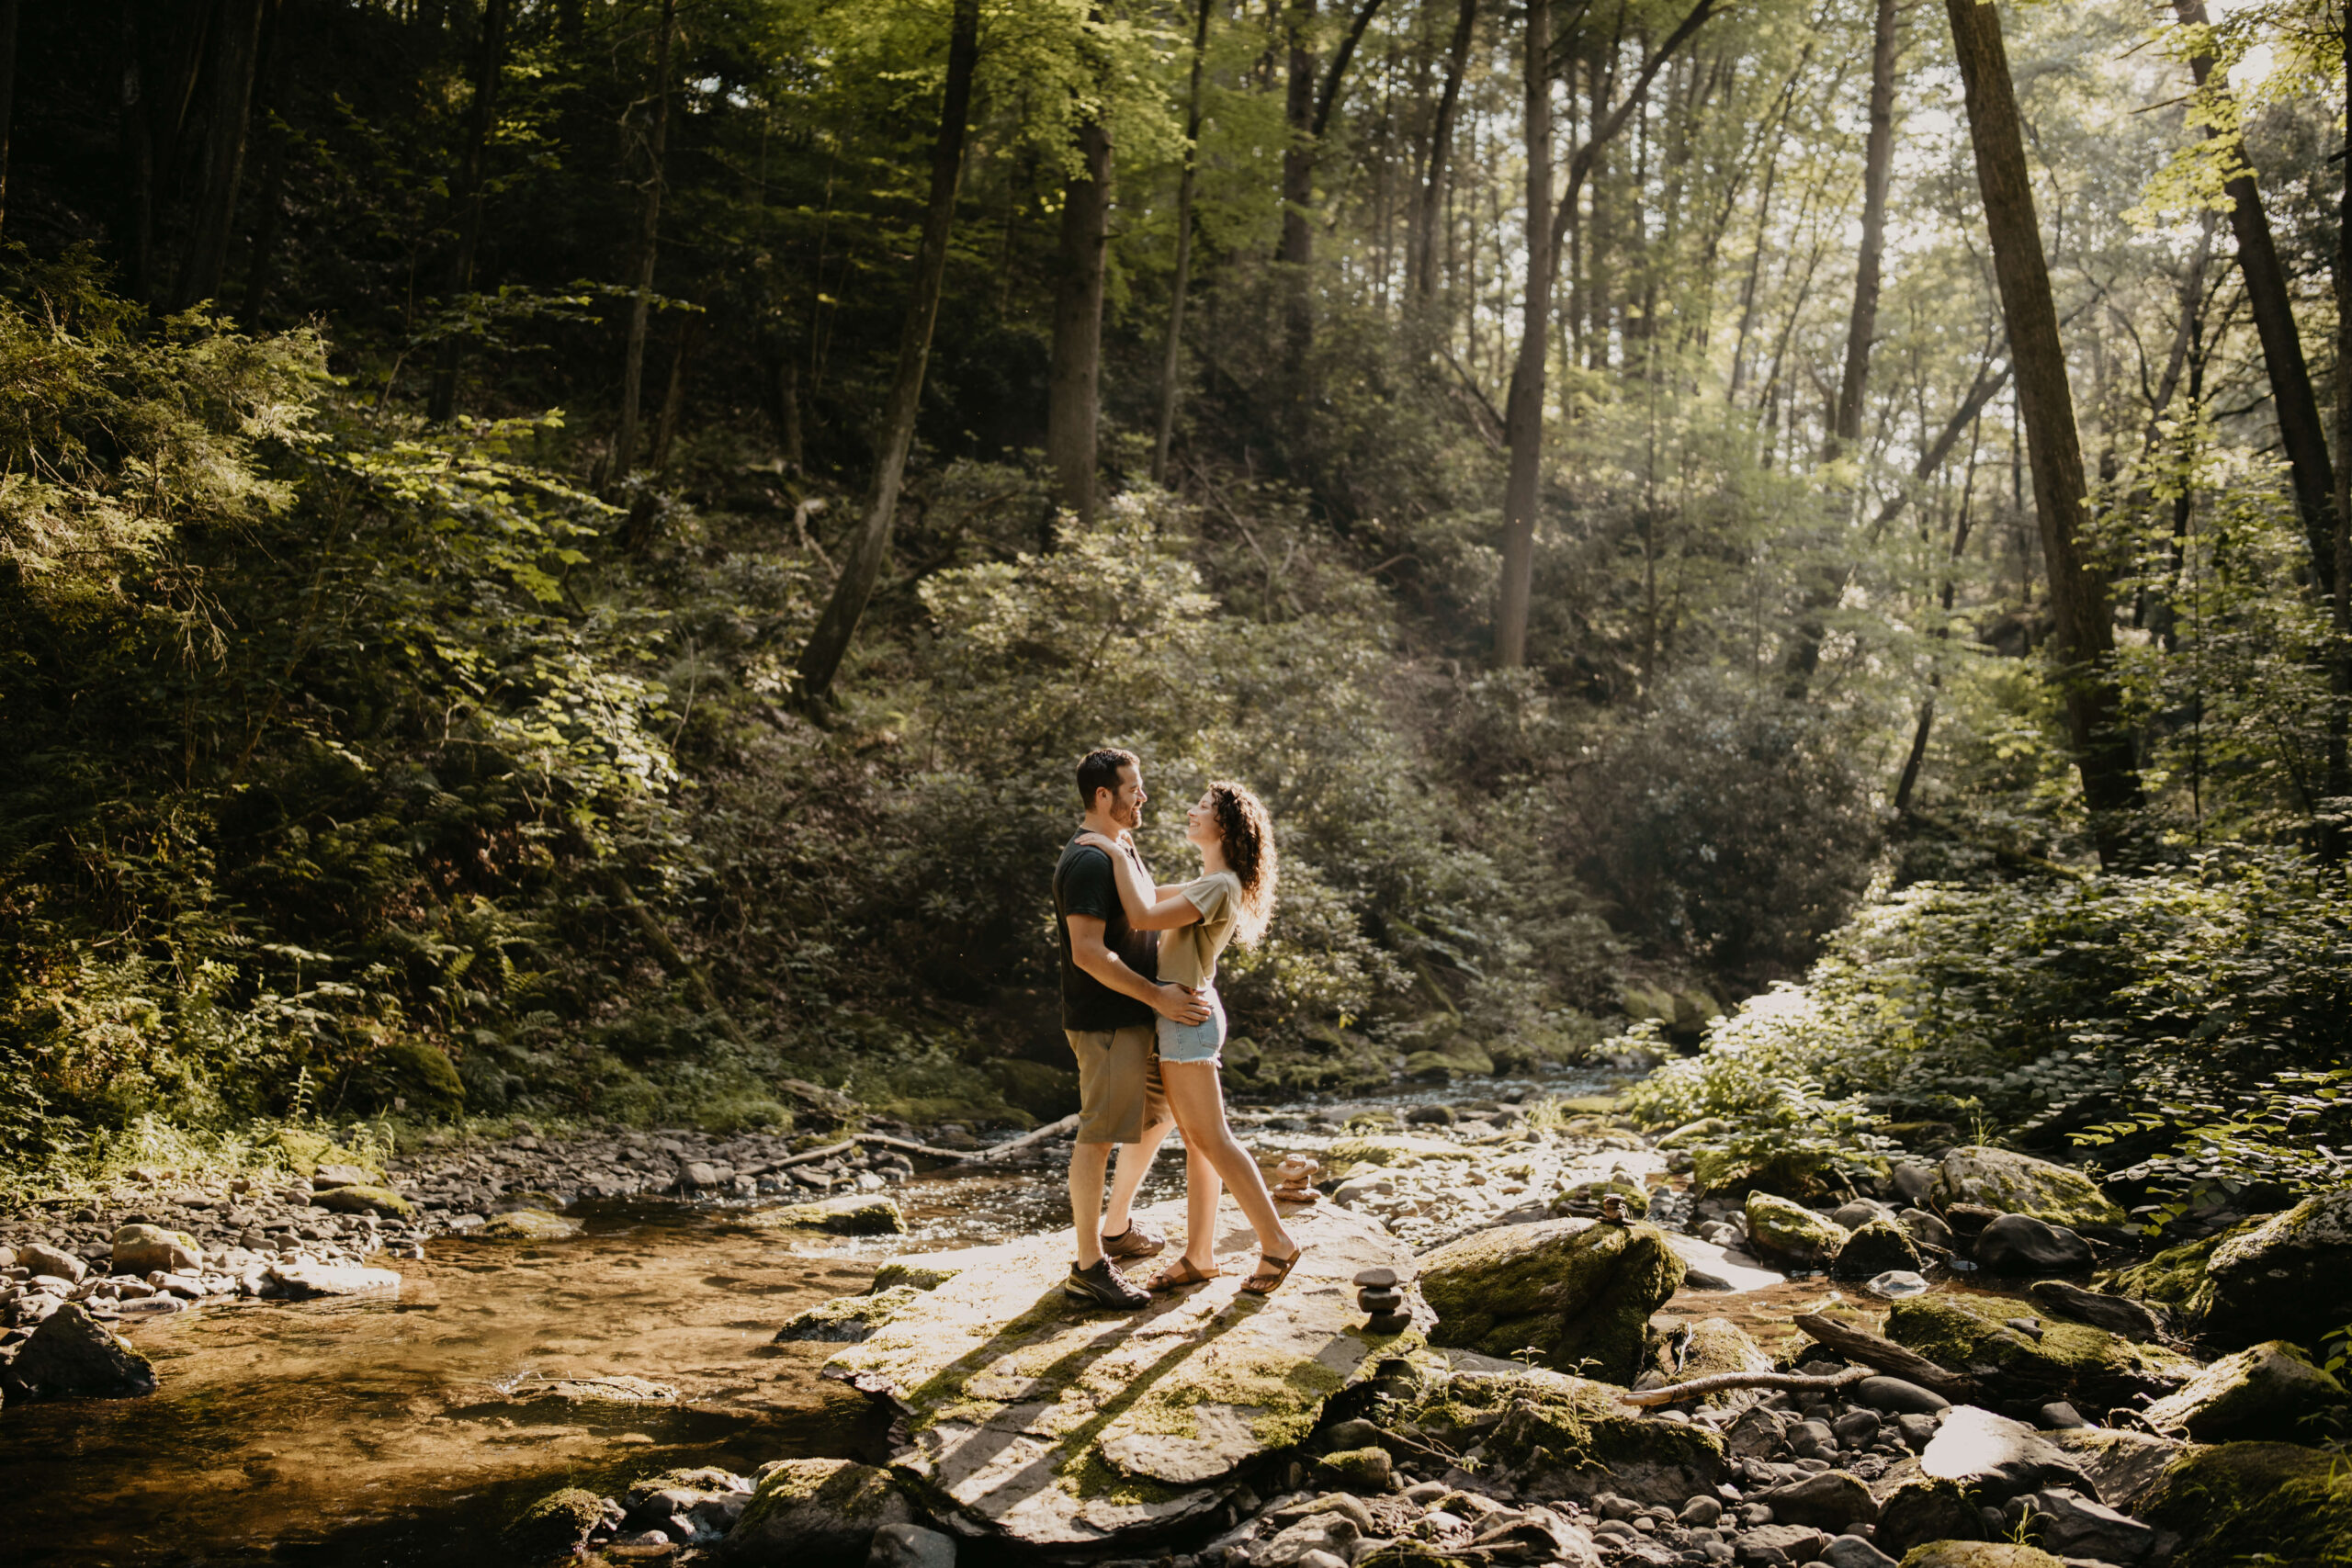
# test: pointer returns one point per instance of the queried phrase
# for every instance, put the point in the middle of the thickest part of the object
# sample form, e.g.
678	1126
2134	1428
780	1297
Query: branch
1328	99
1675	1394
1580	166
1885	1355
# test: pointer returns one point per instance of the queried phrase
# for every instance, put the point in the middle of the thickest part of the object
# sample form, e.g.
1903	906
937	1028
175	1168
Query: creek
363	1432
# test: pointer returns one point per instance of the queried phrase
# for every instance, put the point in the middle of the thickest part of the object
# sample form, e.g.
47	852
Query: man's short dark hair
1100	770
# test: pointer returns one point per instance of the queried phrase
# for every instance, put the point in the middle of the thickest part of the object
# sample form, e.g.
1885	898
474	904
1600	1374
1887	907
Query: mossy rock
1978	1555
1457	1061
1920	1509
1359	1470
855	1215
2286	1278
1578	1296
380	1200
1786	1229
845	1320
1394	1150
2276	1504
528	1224
410	1077
2020	1184
553	1528
305	1151
911	1273
1044	1092
2267	1392
1871	1251
1791	1173
2173	1278
1567	1436
1715	1346
817	1511
2092	1368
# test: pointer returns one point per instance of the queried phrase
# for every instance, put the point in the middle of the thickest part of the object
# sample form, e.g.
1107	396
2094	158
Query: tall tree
236	58
648	240
1307	108
1429	212
821	660
1171	356
481	115
2337	839
1547	226
1074	376
2083	624
2300	430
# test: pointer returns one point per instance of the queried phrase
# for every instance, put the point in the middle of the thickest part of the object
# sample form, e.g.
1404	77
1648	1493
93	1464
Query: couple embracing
1140	1004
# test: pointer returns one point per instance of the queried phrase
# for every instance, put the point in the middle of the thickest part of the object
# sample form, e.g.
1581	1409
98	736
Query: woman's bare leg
1202	1189
1197	1096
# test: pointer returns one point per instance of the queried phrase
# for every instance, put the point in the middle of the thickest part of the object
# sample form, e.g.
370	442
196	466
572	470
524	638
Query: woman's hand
1100	841
1179	1004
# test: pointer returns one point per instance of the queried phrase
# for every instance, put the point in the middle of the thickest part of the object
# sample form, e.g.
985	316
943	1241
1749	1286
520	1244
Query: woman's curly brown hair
1248	836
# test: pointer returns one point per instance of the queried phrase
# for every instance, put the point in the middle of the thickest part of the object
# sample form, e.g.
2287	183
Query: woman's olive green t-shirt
1188	954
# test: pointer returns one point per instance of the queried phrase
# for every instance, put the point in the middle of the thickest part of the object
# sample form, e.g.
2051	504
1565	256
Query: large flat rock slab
1059	1425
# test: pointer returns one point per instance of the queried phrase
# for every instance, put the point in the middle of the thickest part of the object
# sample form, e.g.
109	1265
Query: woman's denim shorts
1194	1042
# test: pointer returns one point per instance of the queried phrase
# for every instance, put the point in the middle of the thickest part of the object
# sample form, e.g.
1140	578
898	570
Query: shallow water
406	1432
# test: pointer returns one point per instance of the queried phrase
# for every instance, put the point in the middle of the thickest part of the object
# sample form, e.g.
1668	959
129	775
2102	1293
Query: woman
1233	897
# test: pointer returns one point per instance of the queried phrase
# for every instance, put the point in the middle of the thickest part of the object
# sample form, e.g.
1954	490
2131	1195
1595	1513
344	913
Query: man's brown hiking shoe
1136	1241
1104	1286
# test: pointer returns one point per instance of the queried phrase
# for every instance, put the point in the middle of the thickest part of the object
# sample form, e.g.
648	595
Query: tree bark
483	112
1420	261
862	562
236	55
262	267
1878	165
132	124
1172	358
1523	407
2083	629
1073	380
649	234
7	96
673	398
2300	430
1547	226
2335	838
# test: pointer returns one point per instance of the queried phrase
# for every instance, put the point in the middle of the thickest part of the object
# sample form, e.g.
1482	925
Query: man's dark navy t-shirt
1083	885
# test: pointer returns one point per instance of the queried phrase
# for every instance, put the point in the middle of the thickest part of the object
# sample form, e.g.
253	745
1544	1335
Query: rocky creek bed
668	1346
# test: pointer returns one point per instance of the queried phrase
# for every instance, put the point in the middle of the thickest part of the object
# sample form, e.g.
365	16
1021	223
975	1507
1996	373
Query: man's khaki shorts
1118	1083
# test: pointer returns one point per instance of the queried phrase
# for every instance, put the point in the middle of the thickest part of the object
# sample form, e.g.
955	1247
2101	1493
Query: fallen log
1675	1393
1062	1128
1875	1351
960	1156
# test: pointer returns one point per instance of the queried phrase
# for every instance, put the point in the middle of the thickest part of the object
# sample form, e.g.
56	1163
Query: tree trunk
1297	251
2300	430
1546	227
468	193
1420	261
1523	410
261	268
2083	629
7	96
862	563
138	239
1171	359
673	398
2336	838
1878	165
236	54
648	233
1073	380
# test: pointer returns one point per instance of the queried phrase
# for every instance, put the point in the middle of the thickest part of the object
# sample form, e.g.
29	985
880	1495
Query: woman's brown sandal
1179	1274
1265	1284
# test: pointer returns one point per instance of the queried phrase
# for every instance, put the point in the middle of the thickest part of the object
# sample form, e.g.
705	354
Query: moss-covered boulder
1790	1230
1566	1436
2019	1184
1358	1469
306	1151
1978	1555
1574	1295
409	1077
1044	1092
554	1527
1586	1198
2025	1358
357	1199
528	1224
2173	1279
1879	1246
2255	1502
1349	1157
913	1273
2266	1392
813	1511
2288	1277
1709	1348
1916	1509
856	1215
141	1249
845	1320
1790	1174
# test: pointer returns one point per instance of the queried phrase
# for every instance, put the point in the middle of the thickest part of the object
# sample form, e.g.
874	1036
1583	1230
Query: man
1110	993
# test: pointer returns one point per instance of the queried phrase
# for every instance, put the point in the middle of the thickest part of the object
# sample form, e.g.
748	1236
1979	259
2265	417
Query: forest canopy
558	554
